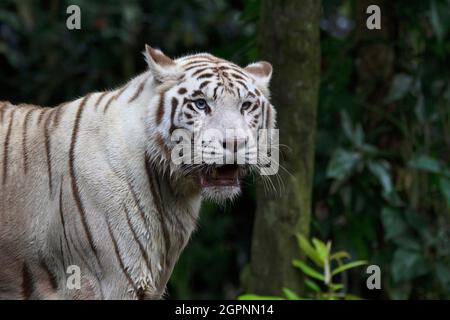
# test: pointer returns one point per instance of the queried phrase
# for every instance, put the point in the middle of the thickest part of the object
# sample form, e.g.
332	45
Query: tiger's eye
246	105
201	104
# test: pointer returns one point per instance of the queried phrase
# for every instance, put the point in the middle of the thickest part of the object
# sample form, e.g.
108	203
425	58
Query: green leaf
437	22
358	137
347	126
353	134
368	149
336	286
347	266
393	198
407	265
425	163
444	186
381	170
443	274
339	255
342	164
257	297
308	270
291	295
308	250
408	242
352	297
312	285
321	249
400	86
393	223
415	220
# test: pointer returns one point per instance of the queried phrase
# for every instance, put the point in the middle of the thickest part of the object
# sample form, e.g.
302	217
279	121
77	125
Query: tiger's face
209	115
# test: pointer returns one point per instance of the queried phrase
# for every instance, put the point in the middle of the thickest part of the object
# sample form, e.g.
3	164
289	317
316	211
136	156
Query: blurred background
372	176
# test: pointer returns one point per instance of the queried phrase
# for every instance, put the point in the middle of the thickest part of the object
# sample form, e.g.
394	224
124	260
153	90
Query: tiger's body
90	182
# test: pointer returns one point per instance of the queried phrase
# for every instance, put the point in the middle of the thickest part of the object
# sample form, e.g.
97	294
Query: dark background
382	178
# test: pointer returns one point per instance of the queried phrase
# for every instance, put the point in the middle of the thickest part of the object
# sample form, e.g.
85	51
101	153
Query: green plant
382	185
320	272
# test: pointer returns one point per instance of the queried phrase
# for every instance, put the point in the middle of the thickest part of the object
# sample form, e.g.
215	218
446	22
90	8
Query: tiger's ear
161	66
261	71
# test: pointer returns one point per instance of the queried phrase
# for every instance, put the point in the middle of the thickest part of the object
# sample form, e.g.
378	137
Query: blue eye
201	104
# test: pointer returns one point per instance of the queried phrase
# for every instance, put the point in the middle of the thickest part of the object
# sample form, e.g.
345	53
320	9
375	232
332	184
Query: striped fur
90	182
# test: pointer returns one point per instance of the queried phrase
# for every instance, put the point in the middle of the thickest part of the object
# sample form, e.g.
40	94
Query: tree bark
290	40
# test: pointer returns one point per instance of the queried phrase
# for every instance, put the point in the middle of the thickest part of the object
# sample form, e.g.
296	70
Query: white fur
111	179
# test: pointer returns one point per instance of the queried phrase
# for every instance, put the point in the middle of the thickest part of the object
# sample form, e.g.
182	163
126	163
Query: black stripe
120	92
235	69
59	110
114	97
138	91
197	93
269	115
6	147
197	66
41	114
51	276
48	152
190	107
205	75
187	115
83	260
215	91
119	257
196	61
203	84
1	111
255	106
136	239
75	190
107	104
138	204
236	76
199	71
76	193
61	252
160	110
63	222
156	195
100	98
136	200
24	140
172	114
263	114
242	84
27	282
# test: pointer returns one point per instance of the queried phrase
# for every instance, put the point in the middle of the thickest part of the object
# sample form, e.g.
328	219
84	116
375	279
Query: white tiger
91	182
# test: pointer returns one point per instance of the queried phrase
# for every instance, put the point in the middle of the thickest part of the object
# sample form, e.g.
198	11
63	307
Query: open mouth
220	176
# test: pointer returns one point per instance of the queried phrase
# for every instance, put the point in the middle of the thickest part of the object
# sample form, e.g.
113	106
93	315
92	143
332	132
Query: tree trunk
290	40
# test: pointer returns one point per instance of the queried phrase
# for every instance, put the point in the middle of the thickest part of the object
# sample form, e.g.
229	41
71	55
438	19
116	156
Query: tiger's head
206	117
